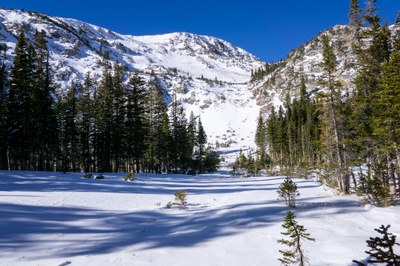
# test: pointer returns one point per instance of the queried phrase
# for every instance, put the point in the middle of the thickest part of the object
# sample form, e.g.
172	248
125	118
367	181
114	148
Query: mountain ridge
208	75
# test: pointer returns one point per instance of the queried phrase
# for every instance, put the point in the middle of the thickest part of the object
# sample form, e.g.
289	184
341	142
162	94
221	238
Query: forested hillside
350	132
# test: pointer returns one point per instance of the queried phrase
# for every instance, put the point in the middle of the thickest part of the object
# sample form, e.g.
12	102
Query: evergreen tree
211	161
297	234
191	131
333	110
104	120
67	113
20	106
261	141
201	141
365	104
86	126
180	148
386	121
354	13
288	191
381	248
136	125
370	15
158	130
118	117
44	115
3	108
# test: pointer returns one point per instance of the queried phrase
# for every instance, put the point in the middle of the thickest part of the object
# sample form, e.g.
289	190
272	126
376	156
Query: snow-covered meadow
63	219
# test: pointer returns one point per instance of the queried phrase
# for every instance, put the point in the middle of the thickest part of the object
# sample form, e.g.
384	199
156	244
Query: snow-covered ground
60	219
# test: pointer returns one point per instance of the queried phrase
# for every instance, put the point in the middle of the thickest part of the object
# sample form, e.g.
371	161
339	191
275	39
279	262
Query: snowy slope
54	218
305	61
209	75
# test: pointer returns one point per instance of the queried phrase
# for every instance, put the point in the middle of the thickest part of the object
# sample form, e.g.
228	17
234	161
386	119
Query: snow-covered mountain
208	74
305	61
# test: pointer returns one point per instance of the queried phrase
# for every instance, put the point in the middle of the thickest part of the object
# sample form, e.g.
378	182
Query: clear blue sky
268	29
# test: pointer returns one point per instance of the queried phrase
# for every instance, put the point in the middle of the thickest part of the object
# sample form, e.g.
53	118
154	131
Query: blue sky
268	29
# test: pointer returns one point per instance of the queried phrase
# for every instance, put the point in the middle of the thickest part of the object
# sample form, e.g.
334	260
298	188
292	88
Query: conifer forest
105	126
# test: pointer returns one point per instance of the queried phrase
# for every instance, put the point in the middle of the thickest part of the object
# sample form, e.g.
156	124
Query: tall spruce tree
118	112
3	108
67	114
104	120
180	148
86	125
261	141
157	136
20	106
332	110
386	122
201	141
45	137
364	104
135	124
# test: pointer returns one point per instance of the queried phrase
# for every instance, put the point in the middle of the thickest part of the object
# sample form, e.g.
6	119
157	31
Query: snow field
55	218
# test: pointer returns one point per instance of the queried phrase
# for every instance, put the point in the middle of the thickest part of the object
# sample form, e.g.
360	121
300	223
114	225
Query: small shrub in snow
130	177
169	205
382	249
288	192
297	234
181	198
88	175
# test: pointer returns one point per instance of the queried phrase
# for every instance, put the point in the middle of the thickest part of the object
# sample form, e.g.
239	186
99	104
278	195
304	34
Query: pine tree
44	115
20	105
261	141
297	234
386	121
180	144
86	125
67	113
354	13
364	104
3	110
192	132
381	248
201	141
288	191
157	136
118	113
135	124
370	15
104	120
333	104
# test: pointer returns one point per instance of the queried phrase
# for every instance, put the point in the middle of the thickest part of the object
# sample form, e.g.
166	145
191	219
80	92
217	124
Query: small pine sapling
130	177
288	192
297	234
88	175
180	198
381	248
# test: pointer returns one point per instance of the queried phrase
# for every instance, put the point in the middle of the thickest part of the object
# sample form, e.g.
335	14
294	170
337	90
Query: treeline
339	129
111	125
